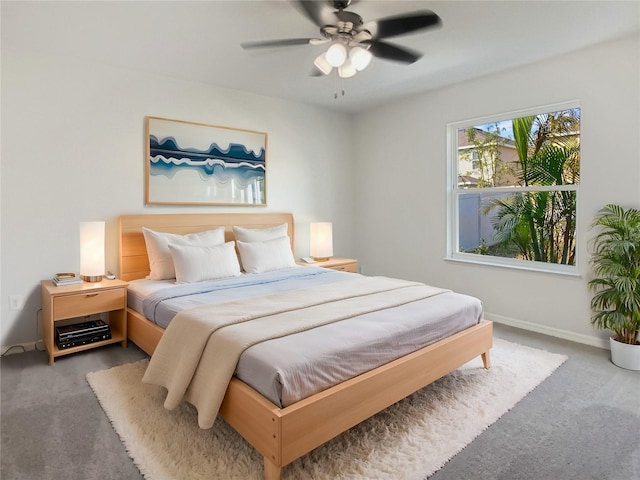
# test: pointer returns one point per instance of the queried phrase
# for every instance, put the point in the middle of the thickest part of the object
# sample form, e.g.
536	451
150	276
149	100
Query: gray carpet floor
583	422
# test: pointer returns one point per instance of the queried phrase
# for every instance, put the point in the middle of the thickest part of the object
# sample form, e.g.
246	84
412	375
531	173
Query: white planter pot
625	355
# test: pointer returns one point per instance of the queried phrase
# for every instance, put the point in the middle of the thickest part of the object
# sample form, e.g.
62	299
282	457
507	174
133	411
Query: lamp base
321	259
91	278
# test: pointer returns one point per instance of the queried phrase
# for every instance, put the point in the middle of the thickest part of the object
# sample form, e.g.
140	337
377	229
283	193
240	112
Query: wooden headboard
133	260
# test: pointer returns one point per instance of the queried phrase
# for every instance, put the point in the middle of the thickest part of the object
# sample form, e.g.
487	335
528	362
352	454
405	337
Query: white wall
401	197
72	150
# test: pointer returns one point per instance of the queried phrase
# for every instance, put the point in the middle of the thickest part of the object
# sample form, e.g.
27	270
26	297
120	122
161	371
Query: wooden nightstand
335	263
72	301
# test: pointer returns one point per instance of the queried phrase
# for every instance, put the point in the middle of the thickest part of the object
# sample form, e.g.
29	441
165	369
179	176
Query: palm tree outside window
513	189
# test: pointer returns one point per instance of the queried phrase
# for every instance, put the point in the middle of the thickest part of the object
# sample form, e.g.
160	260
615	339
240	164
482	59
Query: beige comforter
198	353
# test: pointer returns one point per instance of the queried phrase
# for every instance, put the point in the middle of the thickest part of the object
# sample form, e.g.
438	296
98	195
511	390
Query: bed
283	433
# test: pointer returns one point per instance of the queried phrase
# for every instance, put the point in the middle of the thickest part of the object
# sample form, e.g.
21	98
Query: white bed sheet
288	369
140	289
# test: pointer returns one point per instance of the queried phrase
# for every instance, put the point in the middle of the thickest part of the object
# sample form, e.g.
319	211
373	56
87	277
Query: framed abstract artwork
191	163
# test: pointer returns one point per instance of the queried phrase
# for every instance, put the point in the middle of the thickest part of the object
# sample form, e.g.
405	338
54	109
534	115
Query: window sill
538	267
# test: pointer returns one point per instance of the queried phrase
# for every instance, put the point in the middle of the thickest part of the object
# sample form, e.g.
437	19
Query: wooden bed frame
283	434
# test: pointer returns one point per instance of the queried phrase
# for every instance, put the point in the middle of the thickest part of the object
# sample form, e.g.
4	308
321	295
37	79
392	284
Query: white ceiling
200	41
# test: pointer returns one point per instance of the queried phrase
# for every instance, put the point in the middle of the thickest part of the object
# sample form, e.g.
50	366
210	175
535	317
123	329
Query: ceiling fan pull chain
339	84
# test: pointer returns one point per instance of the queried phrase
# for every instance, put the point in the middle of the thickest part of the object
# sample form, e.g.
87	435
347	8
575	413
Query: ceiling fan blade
392	52
318	11
402	24
288	42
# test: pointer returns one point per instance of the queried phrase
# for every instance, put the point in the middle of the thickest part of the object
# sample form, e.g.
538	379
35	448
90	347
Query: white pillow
249	235
258	257
160	261
197	263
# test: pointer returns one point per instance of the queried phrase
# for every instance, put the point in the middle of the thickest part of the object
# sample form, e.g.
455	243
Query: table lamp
321	234
92	263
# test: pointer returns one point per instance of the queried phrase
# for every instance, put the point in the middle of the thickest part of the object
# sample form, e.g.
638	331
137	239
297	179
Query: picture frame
190	163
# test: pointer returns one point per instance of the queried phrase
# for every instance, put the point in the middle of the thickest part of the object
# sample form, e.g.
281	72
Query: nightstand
79	300
335	263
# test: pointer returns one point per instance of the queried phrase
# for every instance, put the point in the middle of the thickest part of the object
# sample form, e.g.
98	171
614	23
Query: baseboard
551	331
17	348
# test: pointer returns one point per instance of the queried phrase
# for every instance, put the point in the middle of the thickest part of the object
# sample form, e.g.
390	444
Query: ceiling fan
354	42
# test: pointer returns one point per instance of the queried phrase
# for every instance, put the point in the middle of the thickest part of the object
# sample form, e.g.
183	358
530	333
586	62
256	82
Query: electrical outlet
16	302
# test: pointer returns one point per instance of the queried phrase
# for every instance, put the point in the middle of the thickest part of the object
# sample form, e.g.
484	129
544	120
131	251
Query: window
513	189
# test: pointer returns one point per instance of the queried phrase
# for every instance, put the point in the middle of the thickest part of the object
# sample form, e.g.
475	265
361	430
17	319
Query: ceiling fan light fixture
351	43
336	54
360	58
322	64
347	70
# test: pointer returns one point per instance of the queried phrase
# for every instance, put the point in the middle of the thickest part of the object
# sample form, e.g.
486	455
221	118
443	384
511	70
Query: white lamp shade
360	57
347	70
336	54
92	263
321	235
321	64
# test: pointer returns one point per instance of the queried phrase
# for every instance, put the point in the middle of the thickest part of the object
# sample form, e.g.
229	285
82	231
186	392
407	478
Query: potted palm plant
616	265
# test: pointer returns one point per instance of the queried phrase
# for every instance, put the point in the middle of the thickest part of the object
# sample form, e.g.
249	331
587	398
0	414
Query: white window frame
453	249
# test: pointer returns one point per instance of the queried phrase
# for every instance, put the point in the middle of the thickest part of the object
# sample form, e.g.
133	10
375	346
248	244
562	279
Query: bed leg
486	360
271	470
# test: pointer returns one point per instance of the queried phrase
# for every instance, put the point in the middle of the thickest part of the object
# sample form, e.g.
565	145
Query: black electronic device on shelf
68	336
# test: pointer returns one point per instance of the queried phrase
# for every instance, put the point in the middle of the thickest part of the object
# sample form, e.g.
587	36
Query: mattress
288	369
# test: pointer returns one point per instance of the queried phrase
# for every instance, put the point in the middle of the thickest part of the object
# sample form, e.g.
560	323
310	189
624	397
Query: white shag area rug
409	440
